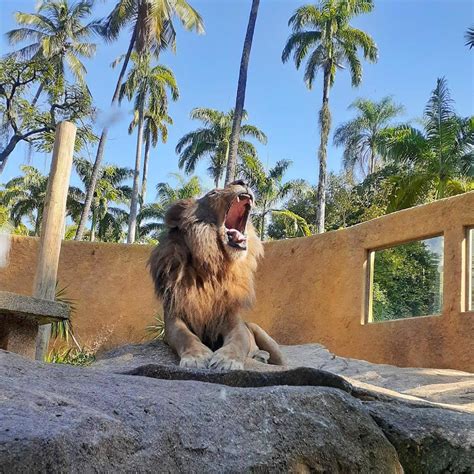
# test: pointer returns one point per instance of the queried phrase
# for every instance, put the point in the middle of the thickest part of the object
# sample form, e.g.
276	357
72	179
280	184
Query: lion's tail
266	343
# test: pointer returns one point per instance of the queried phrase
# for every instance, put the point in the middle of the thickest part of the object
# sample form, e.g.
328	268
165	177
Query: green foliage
70	356
149	85
152	22
213	141
157	330
436	162
26	121
270	190
406	282
470	38
107	221
362	137
323	36
24	197
58	36
150	219
63	330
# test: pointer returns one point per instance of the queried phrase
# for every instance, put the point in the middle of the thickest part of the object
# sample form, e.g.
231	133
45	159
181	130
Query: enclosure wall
311	289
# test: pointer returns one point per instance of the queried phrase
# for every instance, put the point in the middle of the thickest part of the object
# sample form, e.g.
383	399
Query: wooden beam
52	227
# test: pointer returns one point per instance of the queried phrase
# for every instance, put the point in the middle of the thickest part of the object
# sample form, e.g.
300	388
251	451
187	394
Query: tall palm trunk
38	224
240	99
145	168
38	93
93	225
262	227
100	149
325	123
132	221
372	160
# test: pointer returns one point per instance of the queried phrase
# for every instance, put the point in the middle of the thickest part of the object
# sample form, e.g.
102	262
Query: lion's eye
212	193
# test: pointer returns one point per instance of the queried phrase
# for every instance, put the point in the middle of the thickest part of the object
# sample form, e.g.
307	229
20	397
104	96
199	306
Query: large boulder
58	418
130	412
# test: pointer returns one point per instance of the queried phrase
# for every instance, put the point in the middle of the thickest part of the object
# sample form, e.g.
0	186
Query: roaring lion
203	270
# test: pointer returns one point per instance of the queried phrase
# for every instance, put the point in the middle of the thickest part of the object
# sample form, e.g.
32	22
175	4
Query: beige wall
308	290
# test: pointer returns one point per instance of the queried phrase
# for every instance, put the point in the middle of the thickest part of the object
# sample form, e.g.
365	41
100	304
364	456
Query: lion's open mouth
236	221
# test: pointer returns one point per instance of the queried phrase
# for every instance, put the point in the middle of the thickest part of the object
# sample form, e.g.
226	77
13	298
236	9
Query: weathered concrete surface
32	309
20	317
69	419
308	290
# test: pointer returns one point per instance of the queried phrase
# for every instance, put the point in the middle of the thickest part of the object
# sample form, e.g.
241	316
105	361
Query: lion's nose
239	182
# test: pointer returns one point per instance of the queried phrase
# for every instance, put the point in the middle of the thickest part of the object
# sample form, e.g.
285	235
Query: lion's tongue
236	236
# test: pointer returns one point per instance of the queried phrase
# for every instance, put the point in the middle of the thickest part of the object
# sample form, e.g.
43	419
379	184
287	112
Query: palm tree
240	99
270	191
470	37
150	220
107	220
149	85
213	140
24	197
437	161
323	35
155	126
59	36
362	137
152	30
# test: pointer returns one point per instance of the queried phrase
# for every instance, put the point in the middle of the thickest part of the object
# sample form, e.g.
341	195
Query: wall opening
406	280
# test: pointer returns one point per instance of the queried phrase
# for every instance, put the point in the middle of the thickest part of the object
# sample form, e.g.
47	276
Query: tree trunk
93	225
325	123
38	93
262	227
6	152
240	99
372	161
132	221
38	223
100	149
145	168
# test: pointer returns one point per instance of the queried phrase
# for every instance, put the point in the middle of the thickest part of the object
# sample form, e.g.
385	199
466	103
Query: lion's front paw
224	359
196	359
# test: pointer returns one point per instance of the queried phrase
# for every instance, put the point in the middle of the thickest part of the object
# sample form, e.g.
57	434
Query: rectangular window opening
406	280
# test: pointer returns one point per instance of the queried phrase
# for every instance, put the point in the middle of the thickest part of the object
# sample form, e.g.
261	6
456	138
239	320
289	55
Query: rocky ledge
134	410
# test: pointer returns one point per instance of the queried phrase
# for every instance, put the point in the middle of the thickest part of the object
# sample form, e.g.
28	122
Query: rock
58	418
429	440
409	404
131	412
450	387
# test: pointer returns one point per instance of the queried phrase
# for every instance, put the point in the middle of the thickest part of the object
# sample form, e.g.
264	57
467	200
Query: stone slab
21	307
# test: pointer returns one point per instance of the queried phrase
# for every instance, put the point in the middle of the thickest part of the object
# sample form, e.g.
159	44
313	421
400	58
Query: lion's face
228	210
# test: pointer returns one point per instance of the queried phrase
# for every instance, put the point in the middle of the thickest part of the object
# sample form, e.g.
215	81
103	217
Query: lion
203	271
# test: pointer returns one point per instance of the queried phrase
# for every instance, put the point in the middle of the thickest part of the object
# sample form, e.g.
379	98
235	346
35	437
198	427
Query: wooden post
52	227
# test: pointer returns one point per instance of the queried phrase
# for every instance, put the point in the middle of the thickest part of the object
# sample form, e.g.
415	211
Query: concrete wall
308	290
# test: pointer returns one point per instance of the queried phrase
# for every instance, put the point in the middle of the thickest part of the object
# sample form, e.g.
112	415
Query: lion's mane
195	278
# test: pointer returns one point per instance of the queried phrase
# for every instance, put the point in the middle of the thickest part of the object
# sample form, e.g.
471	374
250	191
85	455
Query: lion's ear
174	215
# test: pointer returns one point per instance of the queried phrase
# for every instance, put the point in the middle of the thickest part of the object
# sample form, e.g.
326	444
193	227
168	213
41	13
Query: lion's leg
238	342
192	352
268	344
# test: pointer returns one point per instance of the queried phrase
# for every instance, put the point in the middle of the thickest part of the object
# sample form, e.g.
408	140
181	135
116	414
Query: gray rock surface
68	419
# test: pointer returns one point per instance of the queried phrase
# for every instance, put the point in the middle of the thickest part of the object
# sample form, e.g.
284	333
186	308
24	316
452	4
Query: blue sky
418	40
